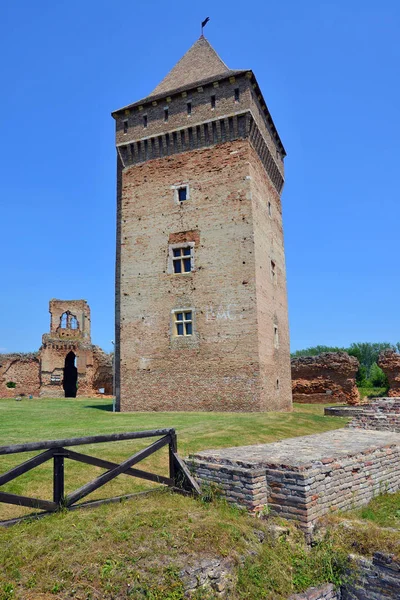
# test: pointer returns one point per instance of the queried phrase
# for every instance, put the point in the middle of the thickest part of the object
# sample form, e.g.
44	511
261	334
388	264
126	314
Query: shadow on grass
107	407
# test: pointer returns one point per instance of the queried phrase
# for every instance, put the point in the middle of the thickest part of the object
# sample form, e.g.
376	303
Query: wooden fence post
173	448
58	476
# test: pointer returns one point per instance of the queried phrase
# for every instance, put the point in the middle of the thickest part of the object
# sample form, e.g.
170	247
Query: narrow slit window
126	126
214	132
269	209
273	271
144	121
276	337
213	101
237	95
166	115
206	134
183	323
189	108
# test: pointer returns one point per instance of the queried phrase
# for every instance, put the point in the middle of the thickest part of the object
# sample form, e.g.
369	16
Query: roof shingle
200	62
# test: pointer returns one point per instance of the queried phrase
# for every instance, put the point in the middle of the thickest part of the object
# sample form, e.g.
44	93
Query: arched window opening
69	321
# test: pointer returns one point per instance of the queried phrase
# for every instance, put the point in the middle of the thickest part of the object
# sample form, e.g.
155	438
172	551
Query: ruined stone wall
80	309
304	478
102	371
22	369
389	362
323	592
373	579
329	377
380	414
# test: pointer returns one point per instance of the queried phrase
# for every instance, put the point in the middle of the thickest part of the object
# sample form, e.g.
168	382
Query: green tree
368	352
377	377
315	350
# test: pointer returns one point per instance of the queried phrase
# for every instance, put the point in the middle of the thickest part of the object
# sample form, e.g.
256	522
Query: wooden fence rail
179	477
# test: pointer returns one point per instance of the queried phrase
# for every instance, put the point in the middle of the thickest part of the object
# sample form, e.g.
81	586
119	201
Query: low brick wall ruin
326	378
368	579
373	579
304	478
22	369
389	362
380	414
323	592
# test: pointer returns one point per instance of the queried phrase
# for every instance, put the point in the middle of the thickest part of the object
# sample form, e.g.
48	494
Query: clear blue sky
330	75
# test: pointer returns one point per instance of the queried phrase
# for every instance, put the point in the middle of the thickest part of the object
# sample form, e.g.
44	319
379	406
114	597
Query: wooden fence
179	477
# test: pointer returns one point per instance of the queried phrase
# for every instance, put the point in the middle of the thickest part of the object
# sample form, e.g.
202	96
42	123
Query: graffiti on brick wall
220	313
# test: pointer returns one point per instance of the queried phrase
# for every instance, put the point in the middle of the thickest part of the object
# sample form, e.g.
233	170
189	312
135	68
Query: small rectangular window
189	108
166	115
126	126
237	95
213	101
181	258
269	209
182	193
145	121
183	323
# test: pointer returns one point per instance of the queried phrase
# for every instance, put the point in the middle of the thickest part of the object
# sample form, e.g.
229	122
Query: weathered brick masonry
389	362
328	377
303	478
323	592
212	134
382	414
22	369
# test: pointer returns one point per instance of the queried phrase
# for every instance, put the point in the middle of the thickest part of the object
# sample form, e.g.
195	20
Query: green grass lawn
49	419
135	549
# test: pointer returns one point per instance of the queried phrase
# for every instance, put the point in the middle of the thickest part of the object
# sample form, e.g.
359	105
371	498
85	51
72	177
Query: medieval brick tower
201	307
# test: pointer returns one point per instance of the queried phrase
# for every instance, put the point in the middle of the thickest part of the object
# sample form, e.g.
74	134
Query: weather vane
203	24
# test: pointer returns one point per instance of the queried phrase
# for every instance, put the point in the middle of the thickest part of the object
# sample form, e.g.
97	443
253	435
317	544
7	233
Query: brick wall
304	478
328	377
218	368
380	414
323	592
373	579
22	370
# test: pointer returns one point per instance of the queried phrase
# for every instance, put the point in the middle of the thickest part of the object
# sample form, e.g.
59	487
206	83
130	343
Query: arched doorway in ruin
70	375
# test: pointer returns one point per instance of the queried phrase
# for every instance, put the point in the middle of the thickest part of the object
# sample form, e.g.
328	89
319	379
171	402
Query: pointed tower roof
200	62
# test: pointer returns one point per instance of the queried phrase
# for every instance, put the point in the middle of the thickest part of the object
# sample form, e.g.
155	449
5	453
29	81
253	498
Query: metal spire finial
204	23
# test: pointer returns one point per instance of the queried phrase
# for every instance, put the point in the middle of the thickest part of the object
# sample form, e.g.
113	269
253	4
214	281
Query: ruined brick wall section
245	487
328	377
323	592
78	308
218	367
272	308
24	371
379	414
305	493
102	371
373	579
389	362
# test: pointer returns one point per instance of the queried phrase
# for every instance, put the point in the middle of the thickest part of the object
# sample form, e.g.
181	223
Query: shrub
11	384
